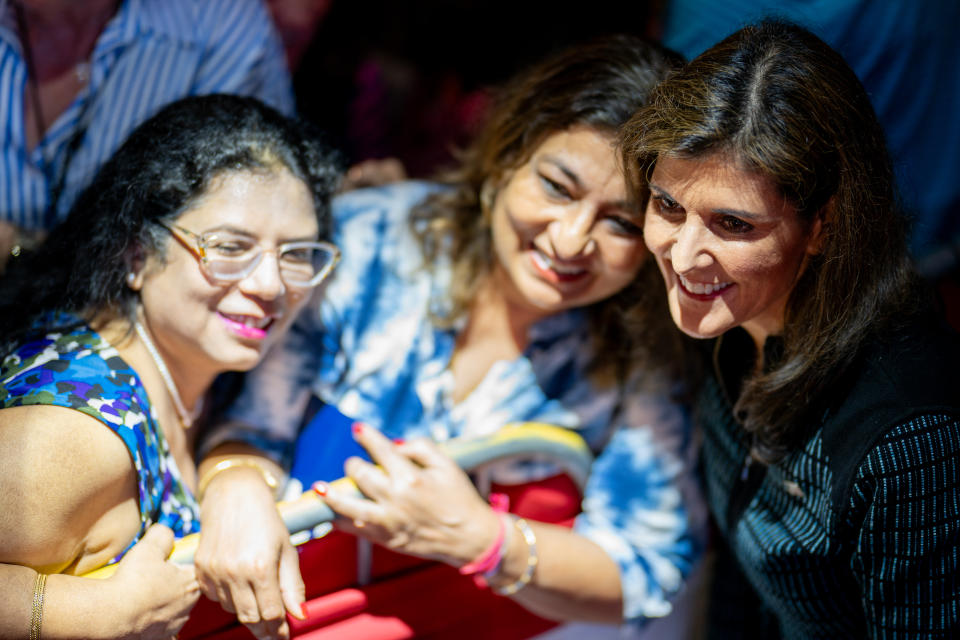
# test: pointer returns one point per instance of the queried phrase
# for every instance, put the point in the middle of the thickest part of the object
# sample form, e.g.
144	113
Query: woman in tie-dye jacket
516	288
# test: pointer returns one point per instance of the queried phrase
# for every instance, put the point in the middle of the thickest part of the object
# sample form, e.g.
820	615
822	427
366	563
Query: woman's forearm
16	600
72	607
252	570
147	598
574	578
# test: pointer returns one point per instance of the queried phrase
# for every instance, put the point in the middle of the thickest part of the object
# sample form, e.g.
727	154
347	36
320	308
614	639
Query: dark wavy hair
599	84
779	101
157	173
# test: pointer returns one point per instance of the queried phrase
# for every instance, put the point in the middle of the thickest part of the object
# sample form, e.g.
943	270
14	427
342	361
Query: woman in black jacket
830	407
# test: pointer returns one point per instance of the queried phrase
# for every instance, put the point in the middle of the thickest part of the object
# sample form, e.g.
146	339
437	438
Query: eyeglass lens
301	264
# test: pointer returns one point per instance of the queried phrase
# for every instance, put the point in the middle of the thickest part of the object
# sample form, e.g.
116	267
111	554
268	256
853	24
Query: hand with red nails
418	501
252	571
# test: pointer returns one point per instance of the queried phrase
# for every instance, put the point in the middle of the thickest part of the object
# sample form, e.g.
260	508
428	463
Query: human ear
135	267
818	229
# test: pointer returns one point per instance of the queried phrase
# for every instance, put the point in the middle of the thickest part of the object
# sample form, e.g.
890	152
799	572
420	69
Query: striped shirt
150	53
856	533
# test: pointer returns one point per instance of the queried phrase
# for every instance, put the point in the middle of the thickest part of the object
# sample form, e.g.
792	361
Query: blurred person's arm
373	173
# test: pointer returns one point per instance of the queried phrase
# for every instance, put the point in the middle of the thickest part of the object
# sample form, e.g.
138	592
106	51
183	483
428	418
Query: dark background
407	78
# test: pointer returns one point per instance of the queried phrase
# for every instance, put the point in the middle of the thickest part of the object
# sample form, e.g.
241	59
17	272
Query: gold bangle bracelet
271	480
36	620
531	539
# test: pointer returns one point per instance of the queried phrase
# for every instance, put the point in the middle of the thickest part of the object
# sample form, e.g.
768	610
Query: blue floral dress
72	366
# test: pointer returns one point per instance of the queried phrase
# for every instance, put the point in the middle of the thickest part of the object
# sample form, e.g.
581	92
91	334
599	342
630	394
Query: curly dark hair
780	102
599	84
158	172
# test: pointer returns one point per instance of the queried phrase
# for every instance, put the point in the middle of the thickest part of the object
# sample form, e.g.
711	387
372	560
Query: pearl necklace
186	418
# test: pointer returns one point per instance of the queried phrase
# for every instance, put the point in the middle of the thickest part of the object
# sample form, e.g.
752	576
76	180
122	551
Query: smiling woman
253	299
192	251
830	411
563	232
514	288
729	247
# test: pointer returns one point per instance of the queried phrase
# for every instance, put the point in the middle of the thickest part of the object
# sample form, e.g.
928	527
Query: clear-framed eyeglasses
229	257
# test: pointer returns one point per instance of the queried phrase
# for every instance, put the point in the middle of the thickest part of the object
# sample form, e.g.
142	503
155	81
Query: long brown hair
600	85
781	102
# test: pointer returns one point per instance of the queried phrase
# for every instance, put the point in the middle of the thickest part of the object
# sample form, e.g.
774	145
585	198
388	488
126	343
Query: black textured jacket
856	533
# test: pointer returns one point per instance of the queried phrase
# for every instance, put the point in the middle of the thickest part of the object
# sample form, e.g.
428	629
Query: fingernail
357	427
320	488
398	441
303	610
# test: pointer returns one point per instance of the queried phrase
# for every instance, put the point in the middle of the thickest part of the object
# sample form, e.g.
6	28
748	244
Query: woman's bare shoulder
61	473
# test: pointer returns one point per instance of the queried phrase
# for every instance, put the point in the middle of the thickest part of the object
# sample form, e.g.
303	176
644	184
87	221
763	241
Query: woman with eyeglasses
192	251
515	289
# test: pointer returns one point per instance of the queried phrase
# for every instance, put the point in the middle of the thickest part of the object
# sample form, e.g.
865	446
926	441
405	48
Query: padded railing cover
406	597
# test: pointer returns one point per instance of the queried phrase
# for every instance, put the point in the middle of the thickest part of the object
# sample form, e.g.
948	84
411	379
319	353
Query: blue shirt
369	349
150	53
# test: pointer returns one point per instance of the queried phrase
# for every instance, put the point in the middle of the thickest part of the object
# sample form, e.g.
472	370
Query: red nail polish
398	441
356	427
303	609
320	488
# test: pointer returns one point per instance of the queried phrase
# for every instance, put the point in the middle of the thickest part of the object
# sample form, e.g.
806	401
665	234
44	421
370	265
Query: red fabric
407	597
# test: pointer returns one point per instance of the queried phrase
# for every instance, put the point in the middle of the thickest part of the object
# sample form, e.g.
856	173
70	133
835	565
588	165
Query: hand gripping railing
563	447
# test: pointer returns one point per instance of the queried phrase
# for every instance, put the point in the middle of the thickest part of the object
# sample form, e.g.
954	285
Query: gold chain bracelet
36	620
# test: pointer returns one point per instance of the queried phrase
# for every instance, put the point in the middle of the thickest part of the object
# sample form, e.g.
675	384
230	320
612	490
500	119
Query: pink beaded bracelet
490	557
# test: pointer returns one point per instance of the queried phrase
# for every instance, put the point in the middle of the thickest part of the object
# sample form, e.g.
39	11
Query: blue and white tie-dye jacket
369	349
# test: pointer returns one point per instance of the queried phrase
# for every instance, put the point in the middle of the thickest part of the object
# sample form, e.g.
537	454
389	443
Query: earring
131	278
